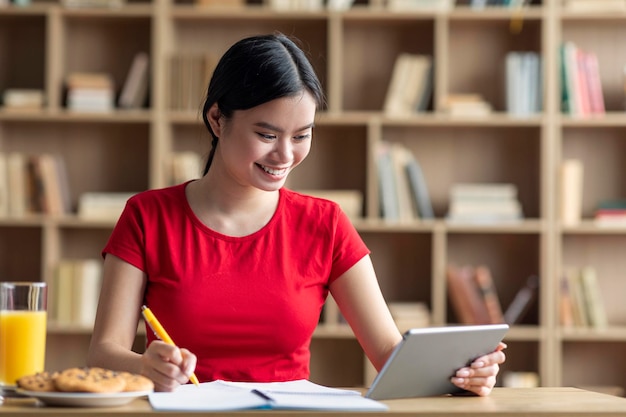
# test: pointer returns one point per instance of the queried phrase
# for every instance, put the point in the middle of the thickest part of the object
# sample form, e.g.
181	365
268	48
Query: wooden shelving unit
353	52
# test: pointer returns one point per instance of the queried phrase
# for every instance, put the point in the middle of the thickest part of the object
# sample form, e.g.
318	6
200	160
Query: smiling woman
236	266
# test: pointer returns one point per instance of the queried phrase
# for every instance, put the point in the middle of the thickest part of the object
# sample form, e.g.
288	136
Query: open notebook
292	395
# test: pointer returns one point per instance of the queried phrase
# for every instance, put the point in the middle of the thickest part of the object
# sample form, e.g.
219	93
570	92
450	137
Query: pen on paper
160	332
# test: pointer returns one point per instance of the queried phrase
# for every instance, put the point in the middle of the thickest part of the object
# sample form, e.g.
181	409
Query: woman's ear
214	116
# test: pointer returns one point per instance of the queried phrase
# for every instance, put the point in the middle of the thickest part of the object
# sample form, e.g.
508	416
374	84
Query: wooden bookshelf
353	53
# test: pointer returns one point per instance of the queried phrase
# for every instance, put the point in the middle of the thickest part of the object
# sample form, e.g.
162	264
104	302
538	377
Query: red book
465	297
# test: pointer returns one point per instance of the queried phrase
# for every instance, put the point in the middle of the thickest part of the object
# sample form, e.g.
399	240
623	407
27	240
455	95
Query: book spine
484	281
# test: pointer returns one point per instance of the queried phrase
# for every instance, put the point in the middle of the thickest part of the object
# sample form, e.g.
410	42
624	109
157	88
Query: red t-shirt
245	306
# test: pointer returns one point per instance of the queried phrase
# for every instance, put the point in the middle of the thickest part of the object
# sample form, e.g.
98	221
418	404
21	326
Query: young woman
235	266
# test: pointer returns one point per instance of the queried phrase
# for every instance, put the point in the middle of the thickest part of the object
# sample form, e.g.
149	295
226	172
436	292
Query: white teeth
273	171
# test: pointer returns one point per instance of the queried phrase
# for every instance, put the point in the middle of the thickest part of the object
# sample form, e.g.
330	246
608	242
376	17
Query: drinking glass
22	330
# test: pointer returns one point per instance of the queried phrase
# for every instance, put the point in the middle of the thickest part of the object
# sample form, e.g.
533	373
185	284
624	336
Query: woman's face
260	146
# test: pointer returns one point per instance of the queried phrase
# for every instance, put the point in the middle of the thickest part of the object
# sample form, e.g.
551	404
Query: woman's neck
233	211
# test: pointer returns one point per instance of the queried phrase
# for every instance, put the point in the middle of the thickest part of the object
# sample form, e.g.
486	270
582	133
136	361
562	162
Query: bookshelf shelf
354	53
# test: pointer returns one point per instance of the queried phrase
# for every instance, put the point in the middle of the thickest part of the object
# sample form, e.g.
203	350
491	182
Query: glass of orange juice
22	330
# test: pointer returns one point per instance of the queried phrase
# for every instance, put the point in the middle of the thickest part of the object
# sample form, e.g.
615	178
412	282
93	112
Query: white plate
84	399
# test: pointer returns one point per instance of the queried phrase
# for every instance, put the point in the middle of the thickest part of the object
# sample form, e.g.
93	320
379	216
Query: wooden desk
512	402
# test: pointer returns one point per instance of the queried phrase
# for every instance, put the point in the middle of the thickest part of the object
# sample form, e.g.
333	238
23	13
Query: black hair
256	70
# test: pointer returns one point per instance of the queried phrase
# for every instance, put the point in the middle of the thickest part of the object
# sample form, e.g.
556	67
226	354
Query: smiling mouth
272	171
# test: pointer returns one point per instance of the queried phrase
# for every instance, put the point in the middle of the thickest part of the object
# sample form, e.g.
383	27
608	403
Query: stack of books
466	105
90	92
484	203
102	205
611	213
23	99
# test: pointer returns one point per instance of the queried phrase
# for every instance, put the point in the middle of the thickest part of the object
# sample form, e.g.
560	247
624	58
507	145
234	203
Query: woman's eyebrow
270	126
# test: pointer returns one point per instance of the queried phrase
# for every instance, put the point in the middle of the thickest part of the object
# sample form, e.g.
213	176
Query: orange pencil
160	332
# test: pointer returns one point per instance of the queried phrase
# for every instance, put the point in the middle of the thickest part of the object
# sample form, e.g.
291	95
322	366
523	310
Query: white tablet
426	358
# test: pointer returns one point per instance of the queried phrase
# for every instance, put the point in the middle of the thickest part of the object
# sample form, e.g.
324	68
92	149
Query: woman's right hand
167	366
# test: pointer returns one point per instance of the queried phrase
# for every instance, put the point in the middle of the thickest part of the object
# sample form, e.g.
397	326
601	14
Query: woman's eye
267	136
302	137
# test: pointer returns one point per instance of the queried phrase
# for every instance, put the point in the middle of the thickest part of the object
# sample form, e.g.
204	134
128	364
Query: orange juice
22	344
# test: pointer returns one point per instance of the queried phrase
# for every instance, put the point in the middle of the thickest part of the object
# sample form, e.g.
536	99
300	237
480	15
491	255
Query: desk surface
513	402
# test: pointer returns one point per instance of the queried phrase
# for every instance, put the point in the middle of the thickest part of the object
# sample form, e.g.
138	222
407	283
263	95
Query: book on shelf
571	195
474	297
594	303
410	86
624	88
465	297
35	184
403	191
523	83
388	193
399	159
23	99
520	379
93	3
484	282
331	315
409	315
484	203
566	303
135	89
75	291
581	85
581	300
419	189
17	184
425	5
339	5
575	292
185	166
221	395
102	205
594	5
189	75
4	185
522	301
221	3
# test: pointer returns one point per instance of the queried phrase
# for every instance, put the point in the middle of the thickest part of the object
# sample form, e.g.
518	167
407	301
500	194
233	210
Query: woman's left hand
480	377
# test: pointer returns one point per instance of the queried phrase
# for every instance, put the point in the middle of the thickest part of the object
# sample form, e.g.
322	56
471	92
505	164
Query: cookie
89	380
135	382
41	382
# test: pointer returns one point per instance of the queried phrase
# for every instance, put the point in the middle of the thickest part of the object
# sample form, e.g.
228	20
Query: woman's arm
360	300
115	329
117	317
